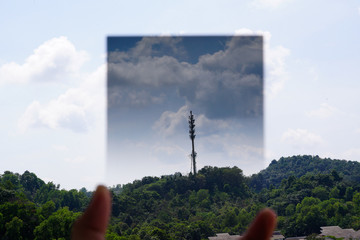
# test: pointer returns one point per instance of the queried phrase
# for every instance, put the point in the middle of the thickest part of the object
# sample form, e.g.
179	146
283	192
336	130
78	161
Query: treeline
298	166
33	209
183	207
305	204
192	207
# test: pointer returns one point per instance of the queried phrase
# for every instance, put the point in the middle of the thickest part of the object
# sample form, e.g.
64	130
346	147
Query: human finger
262	227
93	223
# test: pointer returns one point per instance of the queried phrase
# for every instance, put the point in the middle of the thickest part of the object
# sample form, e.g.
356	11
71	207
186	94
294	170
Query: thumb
262	227
93	223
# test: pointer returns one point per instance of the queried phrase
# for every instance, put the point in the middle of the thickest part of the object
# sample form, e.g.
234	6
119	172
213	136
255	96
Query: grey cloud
242	55
148	71
141	98
149	47
225	84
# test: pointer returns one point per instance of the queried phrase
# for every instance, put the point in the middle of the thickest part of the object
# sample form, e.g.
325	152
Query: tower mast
192	137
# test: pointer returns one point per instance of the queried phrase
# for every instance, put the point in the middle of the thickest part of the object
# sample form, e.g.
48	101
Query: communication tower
192	137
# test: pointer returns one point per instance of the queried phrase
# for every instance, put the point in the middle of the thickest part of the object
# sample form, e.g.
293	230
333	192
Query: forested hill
298	166
306	192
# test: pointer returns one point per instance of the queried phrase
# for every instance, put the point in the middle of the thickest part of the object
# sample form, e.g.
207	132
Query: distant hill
298	166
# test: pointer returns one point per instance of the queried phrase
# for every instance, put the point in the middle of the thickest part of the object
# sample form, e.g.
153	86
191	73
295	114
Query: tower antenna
192	137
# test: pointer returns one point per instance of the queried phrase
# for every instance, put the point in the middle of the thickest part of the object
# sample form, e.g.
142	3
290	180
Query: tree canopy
321	192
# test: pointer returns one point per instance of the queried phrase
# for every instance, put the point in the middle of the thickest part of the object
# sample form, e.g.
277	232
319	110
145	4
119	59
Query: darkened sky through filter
154	82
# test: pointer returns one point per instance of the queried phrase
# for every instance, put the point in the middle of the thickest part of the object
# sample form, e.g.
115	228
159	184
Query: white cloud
76	160
269	155
55	59
243	151
169	122
249	32
94	85
268	3
352	154
301	137
274	61
78	109
60	148
276	69
325	111
67	111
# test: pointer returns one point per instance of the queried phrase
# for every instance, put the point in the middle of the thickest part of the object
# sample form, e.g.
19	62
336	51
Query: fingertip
268	213
95	219
102	192
268	218
99	208
263	226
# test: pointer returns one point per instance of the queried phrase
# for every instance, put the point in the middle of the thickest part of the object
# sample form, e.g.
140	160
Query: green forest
306	192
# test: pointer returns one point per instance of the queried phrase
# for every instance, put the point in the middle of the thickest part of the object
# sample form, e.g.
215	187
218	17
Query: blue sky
52	76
